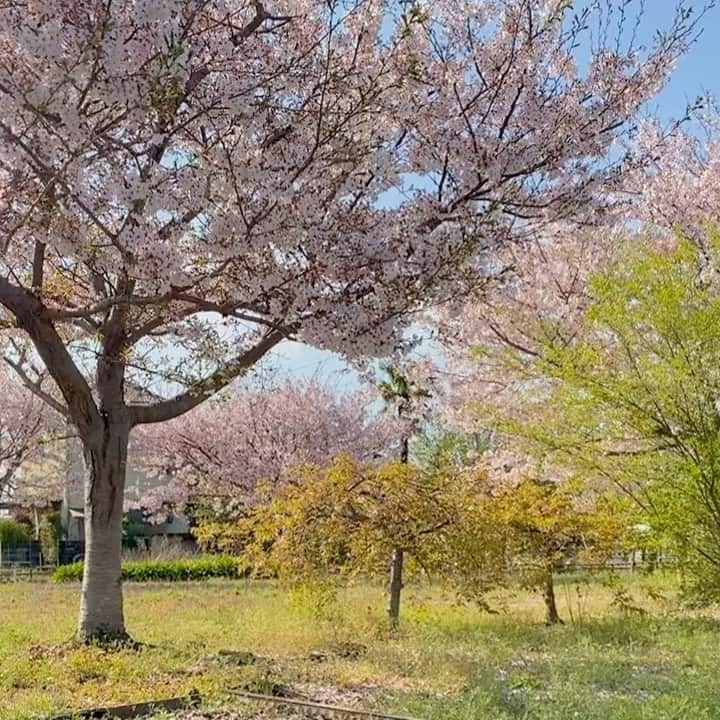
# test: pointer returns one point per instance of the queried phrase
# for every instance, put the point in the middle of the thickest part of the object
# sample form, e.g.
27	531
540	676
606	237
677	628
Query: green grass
449	661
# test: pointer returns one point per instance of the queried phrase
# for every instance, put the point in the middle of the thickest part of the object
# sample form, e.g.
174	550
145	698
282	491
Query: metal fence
30	554
24	555
70	551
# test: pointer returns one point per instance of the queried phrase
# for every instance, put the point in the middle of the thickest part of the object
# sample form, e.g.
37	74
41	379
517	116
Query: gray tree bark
101	616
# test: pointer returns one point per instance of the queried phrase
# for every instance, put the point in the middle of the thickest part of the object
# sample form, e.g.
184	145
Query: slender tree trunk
404	450
552	617
398	557
396	585
101	607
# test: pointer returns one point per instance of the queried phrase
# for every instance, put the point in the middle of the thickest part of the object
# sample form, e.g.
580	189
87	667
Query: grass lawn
449	661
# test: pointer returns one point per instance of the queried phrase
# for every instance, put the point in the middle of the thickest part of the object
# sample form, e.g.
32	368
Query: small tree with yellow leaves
544	525
346	519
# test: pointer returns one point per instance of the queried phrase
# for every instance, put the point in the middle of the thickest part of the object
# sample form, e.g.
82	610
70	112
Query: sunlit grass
644	658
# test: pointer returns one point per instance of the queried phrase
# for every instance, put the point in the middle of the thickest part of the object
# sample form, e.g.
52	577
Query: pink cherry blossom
677	184
28	446
227	451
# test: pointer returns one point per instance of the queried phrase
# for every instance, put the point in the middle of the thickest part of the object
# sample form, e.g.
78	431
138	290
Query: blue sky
698	73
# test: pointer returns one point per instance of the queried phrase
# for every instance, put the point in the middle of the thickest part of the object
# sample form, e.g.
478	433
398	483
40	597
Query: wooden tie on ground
135	710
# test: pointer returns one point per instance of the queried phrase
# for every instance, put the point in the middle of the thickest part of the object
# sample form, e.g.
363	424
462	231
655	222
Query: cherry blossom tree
633	398
678	189
236	451
518	367
186	183
493	343
28	435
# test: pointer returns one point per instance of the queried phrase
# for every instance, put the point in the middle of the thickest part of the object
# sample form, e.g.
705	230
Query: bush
13	533
166	570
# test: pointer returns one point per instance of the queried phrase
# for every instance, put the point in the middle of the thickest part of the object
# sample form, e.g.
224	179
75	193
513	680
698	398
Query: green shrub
13	533
199	568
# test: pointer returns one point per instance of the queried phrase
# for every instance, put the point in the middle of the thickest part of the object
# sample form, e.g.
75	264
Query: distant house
72	514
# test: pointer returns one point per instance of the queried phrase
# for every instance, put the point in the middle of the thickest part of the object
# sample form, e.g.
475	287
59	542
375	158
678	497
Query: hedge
166	570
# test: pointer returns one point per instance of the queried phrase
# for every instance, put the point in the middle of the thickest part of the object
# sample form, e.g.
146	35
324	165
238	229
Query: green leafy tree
342	521
634	397
435	448
544	525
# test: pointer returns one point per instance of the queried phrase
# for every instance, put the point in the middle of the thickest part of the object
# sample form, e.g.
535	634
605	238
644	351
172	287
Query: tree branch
38	265
30	316
180	404
36	388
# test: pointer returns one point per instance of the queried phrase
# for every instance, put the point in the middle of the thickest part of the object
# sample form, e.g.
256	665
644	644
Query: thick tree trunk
101	607
552	617
396	584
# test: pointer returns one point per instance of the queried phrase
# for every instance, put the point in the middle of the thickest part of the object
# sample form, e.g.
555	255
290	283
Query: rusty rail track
317	706
143	709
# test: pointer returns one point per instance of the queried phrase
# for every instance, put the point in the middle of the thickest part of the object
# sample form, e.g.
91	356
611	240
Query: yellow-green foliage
635	396
348	517
544	524
222	536
344	520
